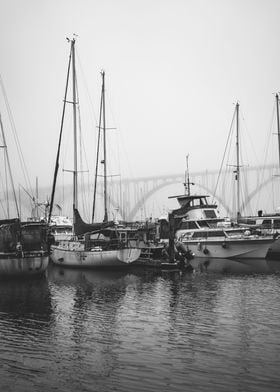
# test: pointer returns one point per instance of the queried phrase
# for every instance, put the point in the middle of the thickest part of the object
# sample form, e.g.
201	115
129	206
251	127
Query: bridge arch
255	191
162	185
111	202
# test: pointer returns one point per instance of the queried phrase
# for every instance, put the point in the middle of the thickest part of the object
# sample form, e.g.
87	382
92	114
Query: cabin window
208	234
266	223
210	214
186	225
200	234
235	232
203	224
248	221
277	224
123	236
216	234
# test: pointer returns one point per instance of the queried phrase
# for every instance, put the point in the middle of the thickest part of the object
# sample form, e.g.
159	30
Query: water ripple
140	331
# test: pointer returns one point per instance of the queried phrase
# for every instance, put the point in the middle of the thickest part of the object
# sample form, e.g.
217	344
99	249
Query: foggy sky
174	70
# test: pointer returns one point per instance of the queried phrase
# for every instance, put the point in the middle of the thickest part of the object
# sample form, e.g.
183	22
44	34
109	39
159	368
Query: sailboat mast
104	149
60	138
237	177
278	124
97	155
187	183
188	177
75	171
9	167
37	199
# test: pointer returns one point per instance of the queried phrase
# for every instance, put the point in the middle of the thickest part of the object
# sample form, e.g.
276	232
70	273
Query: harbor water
140	330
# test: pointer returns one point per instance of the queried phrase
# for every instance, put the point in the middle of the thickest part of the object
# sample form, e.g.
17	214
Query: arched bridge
130	196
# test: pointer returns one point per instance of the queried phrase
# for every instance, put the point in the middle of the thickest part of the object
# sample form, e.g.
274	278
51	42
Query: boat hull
274	251
28	265
239	249
235	266
95	258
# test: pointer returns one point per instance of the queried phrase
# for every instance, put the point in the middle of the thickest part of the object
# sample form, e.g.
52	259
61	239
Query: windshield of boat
188	225
210	214
208	234
231	233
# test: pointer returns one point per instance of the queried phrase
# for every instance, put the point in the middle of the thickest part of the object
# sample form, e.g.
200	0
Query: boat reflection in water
235	266
26	313
140	330
26	297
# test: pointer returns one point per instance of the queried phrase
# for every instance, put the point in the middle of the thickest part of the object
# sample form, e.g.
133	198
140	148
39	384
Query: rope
226	147
21	158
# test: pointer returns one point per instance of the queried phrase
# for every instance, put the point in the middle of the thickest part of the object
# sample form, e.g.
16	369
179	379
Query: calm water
140	331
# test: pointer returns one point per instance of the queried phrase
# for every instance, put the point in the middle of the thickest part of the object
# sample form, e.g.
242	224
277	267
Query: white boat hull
94	258
27	266
236	266
239	249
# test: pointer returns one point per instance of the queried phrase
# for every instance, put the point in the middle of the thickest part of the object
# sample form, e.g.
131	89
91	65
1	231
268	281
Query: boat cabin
195	207
267	224
213	234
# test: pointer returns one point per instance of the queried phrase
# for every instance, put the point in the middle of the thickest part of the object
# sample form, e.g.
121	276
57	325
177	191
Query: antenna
187	183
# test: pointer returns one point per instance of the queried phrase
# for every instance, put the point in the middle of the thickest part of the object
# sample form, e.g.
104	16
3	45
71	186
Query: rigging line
269	134
228	138
112	151
1	176
9	166
244	186
21	158
6	186
97	156
121	195
273	193
249	135
86	86
85	186
4	210
80	144
122	141
60	137
266	151
82	147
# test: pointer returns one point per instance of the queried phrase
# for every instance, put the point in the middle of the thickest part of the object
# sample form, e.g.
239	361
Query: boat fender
224	244
19	249
205	251
199	246
189	254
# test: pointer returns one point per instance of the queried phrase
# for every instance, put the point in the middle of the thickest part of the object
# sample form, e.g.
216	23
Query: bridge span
142	197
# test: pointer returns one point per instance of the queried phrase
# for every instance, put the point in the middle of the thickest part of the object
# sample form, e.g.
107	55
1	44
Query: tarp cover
80	227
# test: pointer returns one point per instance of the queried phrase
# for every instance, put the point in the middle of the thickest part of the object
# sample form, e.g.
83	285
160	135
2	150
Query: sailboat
23	245
96	244
268	223
203	232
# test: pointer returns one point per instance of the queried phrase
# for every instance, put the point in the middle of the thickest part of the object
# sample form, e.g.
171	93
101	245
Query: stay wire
21	158
224	154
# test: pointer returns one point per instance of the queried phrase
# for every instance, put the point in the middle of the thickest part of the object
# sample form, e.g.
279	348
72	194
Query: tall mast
37	199
278	124
60	137
75	171
97	155
104	149
9	167
237	176
187	183
188	176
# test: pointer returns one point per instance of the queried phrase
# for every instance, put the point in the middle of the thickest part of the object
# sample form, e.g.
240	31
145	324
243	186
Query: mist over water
140	330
